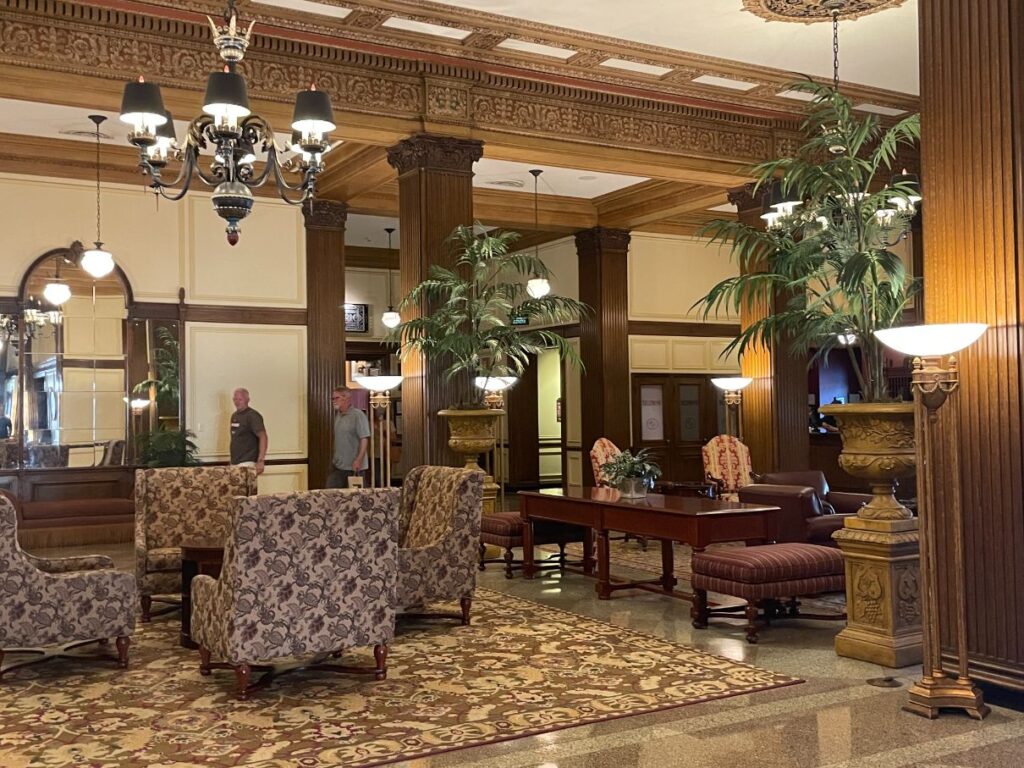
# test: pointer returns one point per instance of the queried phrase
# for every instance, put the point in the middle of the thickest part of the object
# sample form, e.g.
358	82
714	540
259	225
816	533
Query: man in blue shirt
351	438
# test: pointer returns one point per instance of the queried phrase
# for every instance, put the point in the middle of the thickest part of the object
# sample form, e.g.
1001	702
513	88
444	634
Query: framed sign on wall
356	318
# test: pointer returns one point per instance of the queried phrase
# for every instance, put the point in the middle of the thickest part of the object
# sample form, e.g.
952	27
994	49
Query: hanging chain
536	215
97	183
229	11
835	50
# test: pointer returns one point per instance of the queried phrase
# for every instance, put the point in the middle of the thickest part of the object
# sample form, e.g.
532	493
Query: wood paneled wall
435	195
325	298
775	403
972	78
604	337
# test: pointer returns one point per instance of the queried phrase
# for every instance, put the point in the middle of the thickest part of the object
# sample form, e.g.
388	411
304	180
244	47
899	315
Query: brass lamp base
928	696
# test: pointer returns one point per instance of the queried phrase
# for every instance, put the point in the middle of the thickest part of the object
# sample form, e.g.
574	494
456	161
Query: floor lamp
733	387
935	380
380	401
495	387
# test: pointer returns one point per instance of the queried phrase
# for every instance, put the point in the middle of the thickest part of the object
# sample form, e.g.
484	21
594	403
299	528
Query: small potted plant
633	474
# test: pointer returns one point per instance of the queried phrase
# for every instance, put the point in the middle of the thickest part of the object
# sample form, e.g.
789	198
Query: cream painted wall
159	246
668	273
270	361
282	478
680	354
370	286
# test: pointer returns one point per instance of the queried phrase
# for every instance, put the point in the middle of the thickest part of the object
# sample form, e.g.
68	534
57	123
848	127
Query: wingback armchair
175	504
604	451
304	574
439	537
727	465
59	602
810	511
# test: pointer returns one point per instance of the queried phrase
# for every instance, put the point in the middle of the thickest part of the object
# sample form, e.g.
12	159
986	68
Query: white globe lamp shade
56	293
97	262
391	319
931	340
538	287
377	383
495	383
732	383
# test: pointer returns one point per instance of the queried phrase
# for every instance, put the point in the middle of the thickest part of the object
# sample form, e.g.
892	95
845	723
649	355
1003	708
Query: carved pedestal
882	594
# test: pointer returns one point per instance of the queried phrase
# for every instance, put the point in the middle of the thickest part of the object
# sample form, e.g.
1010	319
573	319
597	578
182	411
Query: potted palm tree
466	323
833	216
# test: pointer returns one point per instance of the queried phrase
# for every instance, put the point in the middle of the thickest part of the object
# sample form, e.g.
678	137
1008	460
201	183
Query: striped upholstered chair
727	465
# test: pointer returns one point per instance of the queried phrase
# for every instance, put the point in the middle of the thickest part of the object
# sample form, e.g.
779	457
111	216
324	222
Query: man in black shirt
248	435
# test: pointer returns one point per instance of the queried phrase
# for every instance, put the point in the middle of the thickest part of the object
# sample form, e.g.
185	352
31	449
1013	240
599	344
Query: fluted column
435	195
325	329
604	339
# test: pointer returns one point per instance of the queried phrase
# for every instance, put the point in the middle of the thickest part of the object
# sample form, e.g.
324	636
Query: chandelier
234	132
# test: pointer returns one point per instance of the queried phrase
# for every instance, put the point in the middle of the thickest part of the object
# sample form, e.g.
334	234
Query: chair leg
465	603
380	655
751	612
509	561
147	606
122	643
483	551
204	660
243	676
561	556
699	609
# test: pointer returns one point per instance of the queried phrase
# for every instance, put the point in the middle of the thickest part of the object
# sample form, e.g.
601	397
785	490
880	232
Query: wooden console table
692	520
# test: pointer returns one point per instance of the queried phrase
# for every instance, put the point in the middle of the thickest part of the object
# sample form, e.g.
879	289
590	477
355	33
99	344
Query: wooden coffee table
197	556
692	520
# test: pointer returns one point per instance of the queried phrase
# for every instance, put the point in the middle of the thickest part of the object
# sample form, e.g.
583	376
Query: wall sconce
936	379
380	400
733	387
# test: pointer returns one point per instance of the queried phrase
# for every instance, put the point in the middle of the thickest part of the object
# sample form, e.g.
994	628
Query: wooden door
674	416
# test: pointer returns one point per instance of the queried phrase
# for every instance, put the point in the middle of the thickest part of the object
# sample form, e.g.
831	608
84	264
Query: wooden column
604	339
435	195
972	96
325	329
775	404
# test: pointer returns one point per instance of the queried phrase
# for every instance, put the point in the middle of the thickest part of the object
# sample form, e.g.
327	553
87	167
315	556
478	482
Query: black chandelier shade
313	113
909	180
226	96
166	131
142	105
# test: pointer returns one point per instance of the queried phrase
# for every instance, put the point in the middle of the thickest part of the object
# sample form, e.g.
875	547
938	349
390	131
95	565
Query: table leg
189	570
529	567
668	576
588	552
603	575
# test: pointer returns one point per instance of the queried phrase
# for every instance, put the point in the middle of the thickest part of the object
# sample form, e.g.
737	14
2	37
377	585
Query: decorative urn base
470	433
881	544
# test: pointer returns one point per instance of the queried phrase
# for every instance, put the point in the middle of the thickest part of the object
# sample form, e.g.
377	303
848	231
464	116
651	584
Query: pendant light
390	318
97	261
538	287
56	291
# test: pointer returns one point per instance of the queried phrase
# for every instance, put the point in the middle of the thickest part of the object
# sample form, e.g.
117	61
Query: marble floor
833	719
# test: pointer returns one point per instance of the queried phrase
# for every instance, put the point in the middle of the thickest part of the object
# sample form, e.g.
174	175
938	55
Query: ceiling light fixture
537	286
97	261
228	124
56	291
390	318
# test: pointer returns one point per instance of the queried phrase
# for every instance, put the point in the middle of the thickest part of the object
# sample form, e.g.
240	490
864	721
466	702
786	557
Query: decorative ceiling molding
811	11
362	30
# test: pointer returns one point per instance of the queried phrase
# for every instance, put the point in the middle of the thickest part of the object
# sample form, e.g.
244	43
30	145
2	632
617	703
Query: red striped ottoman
505	530
763	576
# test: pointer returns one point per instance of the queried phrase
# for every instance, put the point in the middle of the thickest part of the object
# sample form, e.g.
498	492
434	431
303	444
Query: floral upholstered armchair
439	537
727	465
175	504
604	451
61	602
304	574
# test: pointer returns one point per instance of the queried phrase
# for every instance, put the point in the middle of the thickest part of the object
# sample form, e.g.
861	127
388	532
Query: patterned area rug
519	670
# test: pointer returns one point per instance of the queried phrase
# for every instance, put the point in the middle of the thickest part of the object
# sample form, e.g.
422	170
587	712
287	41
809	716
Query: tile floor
834	719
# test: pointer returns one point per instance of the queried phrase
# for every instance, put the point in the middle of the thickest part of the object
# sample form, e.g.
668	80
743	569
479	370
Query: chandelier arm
184	178
273	166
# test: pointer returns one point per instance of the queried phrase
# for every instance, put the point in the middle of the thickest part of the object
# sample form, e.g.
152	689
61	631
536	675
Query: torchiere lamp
380	400
495	387
935	380
733	387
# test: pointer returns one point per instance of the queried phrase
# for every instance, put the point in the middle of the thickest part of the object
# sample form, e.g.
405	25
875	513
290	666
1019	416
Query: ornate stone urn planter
880	545
470	433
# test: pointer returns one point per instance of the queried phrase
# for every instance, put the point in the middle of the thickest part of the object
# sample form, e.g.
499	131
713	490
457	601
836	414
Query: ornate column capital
324	214
442	153
598	239
743	197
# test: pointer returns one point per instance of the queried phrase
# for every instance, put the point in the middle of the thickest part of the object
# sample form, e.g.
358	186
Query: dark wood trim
152	310
9	305
371	258
522	405
658	328
71	253
571	331
202	313
357	350
88	362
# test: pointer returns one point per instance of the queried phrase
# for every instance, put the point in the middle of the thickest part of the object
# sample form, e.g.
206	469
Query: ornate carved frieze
447	101
324	214
435	152
590	241
810	11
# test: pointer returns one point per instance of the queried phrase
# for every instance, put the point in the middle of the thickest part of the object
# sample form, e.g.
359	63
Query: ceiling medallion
810	11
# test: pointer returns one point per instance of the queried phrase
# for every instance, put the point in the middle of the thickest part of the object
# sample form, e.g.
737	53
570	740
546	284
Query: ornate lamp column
733	387
936	379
